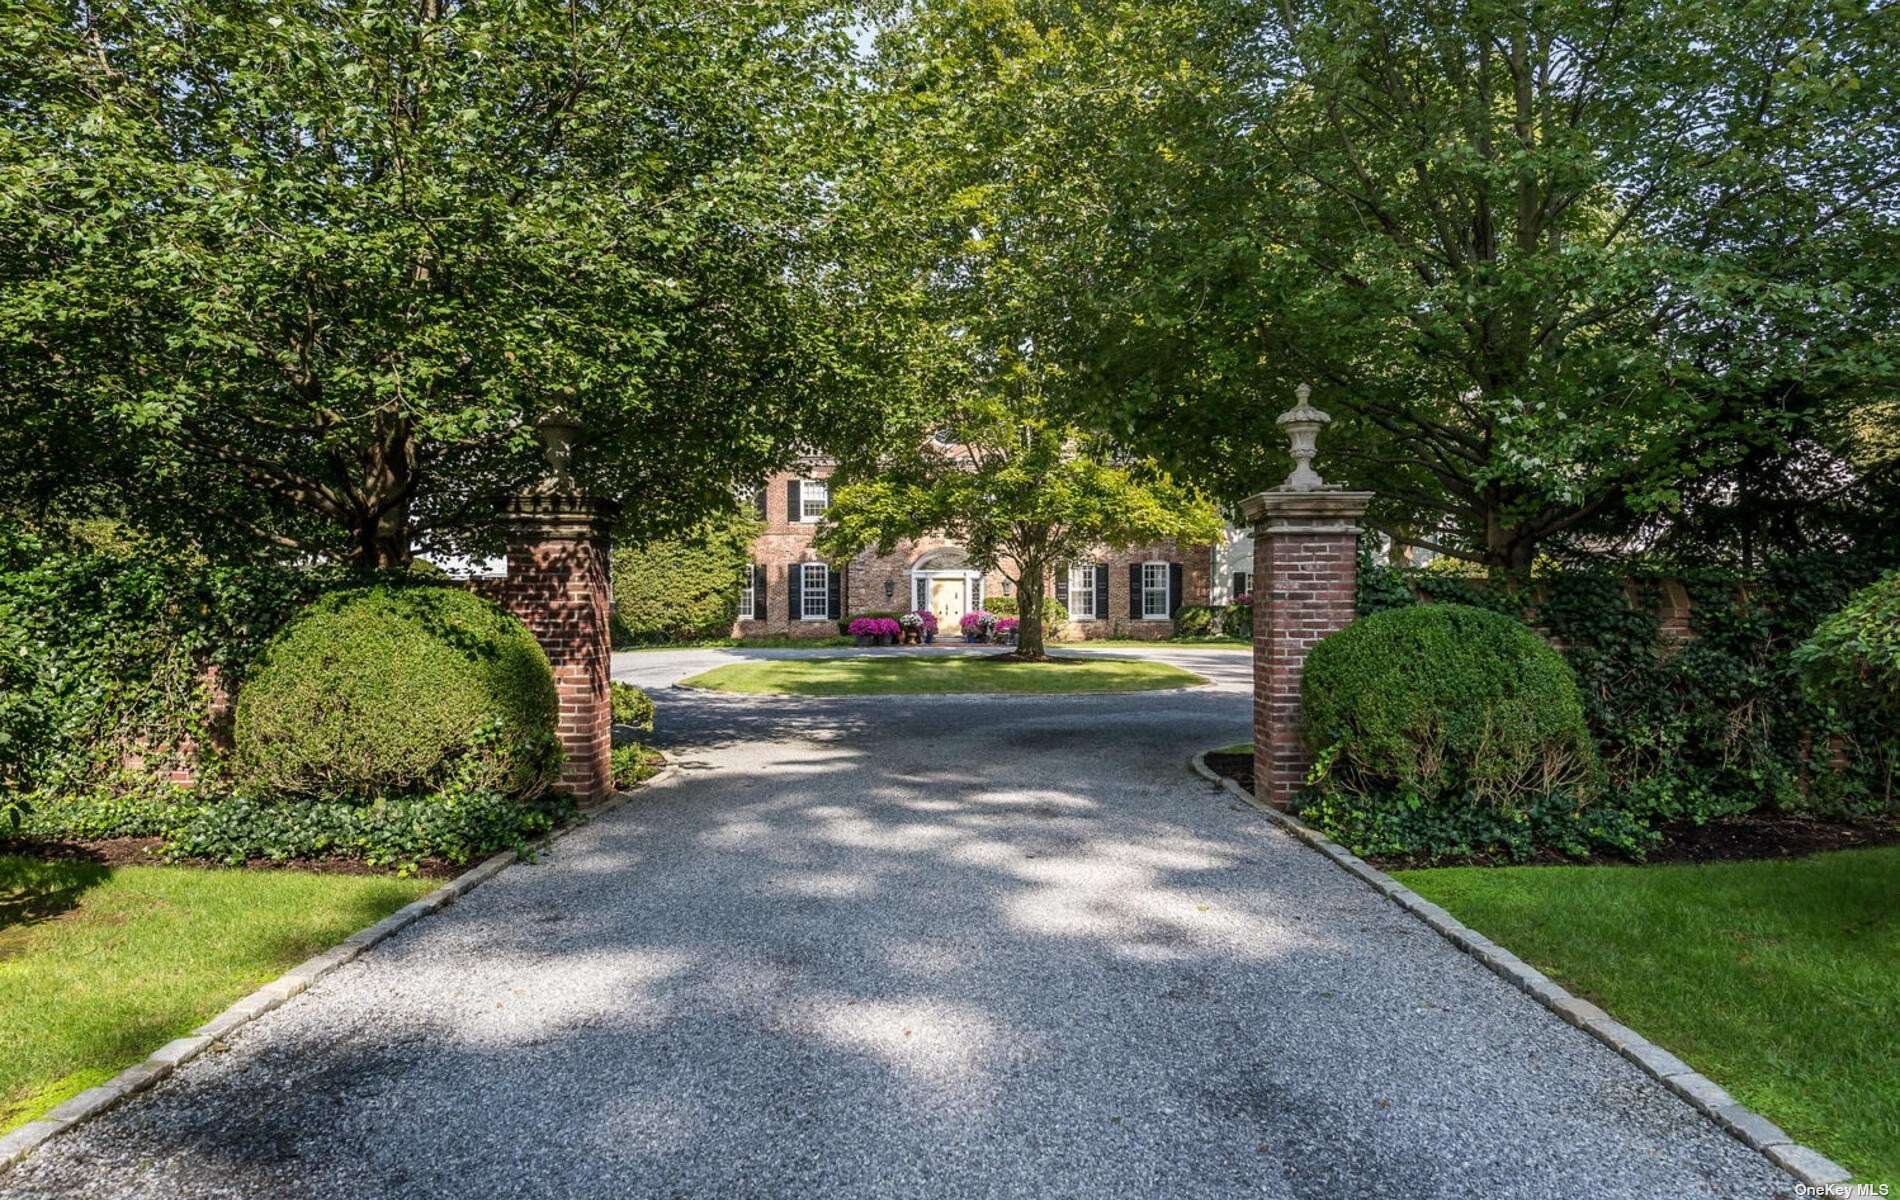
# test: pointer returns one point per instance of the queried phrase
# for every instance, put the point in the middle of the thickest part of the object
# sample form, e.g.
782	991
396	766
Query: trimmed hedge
631	706
400	832
1237	621
682	589
1054	613
1205	620
1446	729
386	691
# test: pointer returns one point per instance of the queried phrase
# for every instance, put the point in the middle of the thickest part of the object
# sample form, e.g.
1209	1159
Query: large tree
1024	493
1546	263
306	274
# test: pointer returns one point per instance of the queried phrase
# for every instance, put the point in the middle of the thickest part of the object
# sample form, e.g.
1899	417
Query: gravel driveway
954	947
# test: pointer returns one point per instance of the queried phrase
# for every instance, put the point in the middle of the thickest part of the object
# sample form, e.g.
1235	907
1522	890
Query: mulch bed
1768	835
1237	767
144	852
1739	839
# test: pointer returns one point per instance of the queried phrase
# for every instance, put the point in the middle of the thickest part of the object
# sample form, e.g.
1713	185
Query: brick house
795	592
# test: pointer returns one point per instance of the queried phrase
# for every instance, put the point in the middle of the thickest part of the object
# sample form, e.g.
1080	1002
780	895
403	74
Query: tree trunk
1030	590
382	542
380	530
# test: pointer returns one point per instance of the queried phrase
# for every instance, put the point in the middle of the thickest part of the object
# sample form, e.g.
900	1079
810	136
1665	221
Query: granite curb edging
88	1104
1808	1166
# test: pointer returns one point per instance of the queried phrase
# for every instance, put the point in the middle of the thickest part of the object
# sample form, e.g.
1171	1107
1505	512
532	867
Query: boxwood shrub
1054	613
1449	730
387	691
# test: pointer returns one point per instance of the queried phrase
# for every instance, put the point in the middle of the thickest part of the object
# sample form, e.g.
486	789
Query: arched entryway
944	582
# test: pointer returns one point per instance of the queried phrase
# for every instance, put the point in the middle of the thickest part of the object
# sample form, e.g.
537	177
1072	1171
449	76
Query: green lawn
100	966
941	675
764	643
1776	979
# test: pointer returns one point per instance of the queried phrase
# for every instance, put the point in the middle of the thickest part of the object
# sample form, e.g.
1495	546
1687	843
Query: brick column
560	583
1305	576
1306	565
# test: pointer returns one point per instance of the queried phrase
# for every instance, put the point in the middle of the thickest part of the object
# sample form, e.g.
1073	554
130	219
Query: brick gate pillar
560	584
1306	566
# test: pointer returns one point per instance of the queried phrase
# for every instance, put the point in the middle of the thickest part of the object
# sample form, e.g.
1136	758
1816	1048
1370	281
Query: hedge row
682	589
1715	725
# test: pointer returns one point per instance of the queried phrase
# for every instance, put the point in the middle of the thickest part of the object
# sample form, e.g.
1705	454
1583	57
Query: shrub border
88	1104
1702	1093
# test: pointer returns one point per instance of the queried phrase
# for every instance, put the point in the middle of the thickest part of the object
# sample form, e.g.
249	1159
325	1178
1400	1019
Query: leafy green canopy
1551	266
1024	494
386	691
1853	659
298	274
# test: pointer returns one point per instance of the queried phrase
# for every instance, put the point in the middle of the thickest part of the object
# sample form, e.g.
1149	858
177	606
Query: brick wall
1304	587
1196	568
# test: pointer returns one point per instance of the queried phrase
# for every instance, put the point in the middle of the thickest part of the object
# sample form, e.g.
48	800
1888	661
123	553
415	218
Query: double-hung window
1082	591
814	591
1154	591
749	604
814	497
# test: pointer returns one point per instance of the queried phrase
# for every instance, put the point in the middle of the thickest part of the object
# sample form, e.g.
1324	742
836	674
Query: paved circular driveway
891	946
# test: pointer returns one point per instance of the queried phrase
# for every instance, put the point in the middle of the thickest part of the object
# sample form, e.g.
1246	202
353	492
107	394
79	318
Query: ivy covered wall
1697	714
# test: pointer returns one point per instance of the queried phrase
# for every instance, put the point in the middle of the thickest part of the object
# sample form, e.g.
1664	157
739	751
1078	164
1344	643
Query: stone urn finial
557	431
1302	423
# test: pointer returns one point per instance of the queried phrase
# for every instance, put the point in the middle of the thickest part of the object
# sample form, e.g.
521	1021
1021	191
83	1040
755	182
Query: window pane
814	496
814	599
1154	590
748	600
1082	591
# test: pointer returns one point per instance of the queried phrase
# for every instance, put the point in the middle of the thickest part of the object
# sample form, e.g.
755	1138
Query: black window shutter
1134	590
794	580
835	581
758	498
792	513
1175	574
1101	592
758	588
1062	585
1240	584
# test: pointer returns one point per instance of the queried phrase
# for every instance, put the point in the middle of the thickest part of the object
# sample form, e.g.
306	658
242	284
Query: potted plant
977	626
913	627
928	621
1006	630
863	630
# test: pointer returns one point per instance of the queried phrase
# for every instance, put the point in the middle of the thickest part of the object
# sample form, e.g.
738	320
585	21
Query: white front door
949	599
